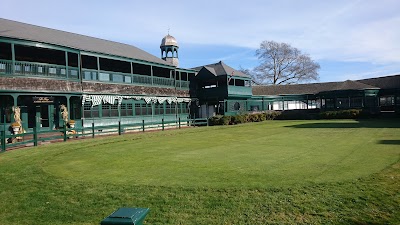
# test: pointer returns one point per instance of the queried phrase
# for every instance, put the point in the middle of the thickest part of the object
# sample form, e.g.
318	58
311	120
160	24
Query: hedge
289	115
243	118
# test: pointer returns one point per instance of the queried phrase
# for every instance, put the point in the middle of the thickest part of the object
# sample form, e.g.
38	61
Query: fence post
35	137
92	130
119	127
83	128
3	141
143	125
179	123
162	123
207	121
3	135
65	132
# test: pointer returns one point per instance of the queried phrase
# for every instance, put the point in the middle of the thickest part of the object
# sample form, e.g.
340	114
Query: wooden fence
35	137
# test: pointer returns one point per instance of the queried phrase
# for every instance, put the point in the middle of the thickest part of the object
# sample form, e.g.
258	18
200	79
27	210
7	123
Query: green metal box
132	216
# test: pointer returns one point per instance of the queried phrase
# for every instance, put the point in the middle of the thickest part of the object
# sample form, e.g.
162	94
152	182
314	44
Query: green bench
132	216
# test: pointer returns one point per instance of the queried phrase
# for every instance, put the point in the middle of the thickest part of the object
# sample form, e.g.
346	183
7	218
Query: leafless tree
281	63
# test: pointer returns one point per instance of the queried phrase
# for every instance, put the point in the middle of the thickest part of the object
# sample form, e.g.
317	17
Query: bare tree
283	64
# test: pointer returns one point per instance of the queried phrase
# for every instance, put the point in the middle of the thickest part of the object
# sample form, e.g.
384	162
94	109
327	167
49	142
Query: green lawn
274	172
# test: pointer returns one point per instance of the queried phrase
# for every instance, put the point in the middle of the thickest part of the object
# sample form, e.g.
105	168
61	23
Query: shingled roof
314	88
387	82
13	29
221	69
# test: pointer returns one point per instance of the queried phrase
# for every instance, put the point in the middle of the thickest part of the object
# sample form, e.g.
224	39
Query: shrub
342	114
253	118
219	120
237	119
271	115
215	120
225	120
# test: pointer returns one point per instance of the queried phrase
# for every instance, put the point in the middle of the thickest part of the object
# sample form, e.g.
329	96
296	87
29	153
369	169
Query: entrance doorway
44	116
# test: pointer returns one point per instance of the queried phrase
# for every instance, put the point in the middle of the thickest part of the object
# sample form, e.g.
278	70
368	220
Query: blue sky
350	39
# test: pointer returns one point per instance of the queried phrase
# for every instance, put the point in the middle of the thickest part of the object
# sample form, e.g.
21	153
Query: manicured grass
274	172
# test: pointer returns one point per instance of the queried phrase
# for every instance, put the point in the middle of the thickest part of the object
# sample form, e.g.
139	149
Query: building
43	70
99	81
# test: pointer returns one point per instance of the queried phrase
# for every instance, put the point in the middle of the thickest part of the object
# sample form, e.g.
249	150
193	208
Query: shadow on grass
356	124
389	142
357	222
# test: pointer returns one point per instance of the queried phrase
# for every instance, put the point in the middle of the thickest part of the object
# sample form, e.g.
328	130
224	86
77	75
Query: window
126	109
356	102
143	109
342	103
329	103
236	106
184	108
114	110
170	108
254	108
89	62
89	111
5	51
105	108
137	109
72	59
129	109
159	109
386	100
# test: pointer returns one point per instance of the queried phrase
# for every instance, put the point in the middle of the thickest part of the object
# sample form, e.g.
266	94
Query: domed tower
170	45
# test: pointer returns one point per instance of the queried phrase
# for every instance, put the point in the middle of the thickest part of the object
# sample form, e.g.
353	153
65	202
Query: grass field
273	172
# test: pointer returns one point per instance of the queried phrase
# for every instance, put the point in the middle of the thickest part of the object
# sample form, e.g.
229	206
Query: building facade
45	71
98	81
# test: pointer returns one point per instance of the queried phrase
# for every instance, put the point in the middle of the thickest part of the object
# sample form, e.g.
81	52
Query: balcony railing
136	79
239	90
29	69
182	84
38	69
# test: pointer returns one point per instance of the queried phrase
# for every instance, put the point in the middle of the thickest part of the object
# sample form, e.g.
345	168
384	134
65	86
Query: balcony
30	69
240	90
135	79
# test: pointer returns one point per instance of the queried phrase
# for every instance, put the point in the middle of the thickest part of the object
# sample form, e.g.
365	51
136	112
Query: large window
5	51
72	59
183	108
170	108
159	109
89	111
342	103
89	62
42	55
142	109
356	102
126	109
